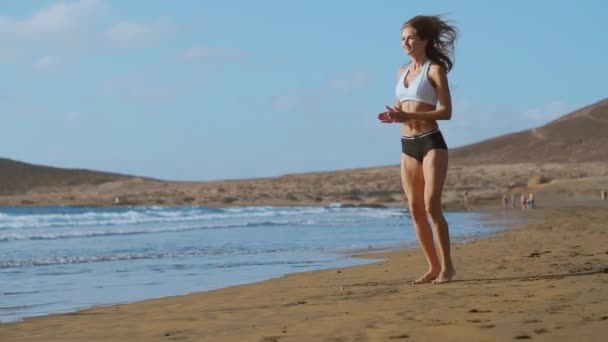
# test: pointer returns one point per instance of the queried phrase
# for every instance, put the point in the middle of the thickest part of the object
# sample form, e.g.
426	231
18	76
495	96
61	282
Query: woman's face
411	43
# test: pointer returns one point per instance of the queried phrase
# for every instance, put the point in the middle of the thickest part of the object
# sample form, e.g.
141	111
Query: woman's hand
385	117
391	115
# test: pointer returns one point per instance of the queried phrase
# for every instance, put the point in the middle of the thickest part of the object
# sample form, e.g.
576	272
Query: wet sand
545	280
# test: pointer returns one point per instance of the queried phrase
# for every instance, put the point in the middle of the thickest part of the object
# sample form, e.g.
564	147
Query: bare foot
426	278
445	276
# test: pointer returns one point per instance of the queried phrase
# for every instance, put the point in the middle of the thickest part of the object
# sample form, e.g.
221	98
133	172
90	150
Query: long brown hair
441	36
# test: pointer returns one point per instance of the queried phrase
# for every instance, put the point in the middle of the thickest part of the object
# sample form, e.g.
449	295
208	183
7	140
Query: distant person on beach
423	98
505	201
604	195
524	202
513	201
531	201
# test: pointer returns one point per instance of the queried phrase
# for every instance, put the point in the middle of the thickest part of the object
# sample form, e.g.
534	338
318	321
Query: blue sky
203	90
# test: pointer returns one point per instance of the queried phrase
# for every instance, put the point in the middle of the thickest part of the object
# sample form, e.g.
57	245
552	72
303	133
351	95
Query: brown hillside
581	136
17	177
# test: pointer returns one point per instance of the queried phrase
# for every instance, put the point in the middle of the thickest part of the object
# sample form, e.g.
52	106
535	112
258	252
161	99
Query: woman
423	98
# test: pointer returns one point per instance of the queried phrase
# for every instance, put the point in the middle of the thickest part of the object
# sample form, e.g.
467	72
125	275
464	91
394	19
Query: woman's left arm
444	108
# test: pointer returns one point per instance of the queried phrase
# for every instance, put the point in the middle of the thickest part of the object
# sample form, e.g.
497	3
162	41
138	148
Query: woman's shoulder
403	68
436	72
436	67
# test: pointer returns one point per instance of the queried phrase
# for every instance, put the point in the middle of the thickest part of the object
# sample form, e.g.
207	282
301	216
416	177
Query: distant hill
18	177
580	136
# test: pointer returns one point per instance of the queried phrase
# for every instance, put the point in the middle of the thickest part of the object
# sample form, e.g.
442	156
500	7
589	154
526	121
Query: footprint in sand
406	316
593	318
174	335
477	320
402	336
522	337
479	311
271	338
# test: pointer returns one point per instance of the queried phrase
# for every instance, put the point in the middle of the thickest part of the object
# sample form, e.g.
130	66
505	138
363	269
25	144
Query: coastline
201	266
543	278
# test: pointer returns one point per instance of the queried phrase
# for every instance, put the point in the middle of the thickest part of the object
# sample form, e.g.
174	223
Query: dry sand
546	280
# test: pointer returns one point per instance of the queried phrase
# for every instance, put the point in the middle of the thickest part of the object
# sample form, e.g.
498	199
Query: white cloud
64	27
200	53
105	88
71	29
131	34
306	100
547	112
125	32
46	63
73	116
311	99
136	88
352	81
55	20
84	118
150	93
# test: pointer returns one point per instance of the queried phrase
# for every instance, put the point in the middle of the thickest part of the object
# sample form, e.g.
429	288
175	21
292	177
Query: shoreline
344	257
281	307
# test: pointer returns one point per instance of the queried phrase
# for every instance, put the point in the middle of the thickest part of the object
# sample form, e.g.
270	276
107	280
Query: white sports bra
420	89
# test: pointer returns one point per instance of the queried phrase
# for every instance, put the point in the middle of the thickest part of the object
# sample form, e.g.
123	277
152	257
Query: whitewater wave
59	225
144	216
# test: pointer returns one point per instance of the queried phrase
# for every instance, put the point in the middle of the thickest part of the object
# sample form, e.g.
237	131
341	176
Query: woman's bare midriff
413	127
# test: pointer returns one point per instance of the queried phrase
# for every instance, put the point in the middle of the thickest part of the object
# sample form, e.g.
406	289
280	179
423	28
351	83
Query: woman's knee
417	211
433	209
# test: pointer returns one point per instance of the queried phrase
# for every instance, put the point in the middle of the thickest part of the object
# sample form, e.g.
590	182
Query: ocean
62	259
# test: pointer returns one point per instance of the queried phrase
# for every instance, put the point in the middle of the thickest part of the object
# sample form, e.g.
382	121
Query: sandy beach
543	280
240	171
546	279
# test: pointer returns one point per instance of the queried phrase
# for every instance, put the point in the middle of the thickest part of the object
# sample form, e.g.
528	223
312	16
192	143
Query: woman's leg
412	179
435	167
